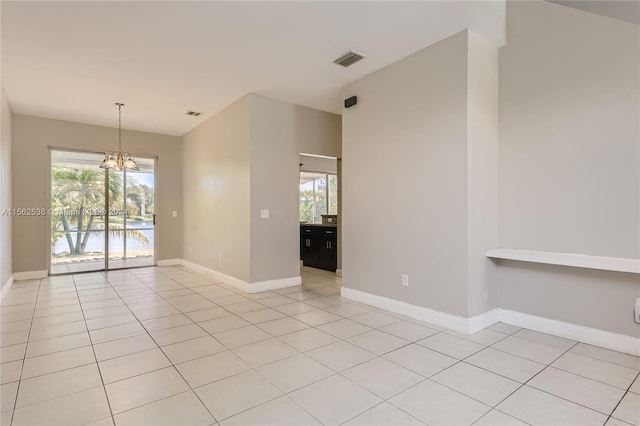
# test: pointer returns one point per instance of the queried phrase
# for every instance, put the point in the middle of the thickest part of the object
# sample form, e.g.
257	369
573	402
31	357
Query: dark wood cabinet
319	246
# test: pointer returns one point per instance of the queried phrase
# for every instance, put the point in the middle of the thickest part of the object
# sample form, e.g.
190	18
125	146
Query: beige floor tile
12	353
131	365
57	319
545	339
177	334
55	385
317	317
408	331
192	349
226	323
211	368
498	418
139	390
614	357
265	352
207	314
536	407
111	321
235	394
15	338
163	323
374	319
244	307
384	414
505	364
308	339
538	352
293	308
578	389
335	399
116	333
451	345
57	361
10	371
602	371
78	408
277	300
282	326
433	403
8	394
128	345
57	344
184	409
280	411
479	384
262	315
344	328
378	342
382	377
629	409
340	355
295	372
241	336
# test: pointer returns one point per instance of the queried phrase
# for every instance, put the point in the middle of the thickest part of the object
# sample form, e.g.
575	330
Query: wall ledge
617	264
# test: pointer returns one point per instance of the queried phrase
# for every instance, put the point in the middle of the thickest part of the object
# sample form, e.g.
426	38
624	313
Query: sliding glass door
100	219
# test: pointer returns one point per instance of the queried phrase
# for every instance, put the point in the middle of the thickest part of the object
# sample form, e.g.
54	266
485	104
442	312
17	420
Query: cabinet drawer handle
328	232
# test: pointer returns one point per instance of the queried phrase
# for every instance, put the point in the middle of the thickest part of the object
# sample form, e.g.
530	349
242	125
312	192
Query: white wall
6	267
216	192
569	161
404	168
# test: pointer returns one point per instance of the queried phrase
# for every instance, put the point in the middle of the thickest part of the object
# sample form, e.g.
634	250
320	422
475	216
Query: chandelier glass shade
119	160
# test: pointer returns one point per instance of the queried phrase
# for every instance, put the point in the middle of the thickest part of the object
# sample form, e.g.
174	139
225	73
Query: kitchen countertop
331	225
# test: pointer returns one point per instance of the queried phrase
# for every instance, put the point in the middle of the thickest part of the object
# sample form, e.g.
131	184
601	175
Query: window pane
306	197
333	194
321	198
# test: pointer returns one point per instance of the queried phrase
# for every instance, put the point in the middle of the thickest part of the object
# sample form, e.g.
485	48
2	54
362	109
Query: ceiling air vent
193	113
349	58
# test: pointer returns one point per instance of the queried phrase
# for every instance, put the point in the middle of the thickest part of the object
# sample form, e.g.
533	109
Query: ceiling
74	60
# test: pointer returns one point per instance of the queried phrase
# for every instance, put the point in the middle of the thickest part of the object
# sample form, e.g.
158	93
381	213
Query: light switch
264	214
175	213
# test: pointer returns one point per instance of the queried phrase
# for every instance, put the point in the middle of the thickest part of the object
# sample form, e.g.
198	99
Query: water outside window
92	227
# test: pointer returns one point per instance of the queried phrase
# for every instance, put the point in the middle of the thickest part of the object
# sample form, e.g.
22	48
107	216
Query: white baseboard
30	275
6	287
240	284
443	319
168	262
592	336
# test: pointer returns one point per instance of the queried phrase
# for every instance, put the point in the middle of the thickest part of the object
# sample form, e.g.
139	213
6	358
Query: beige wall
6	268
33	135
216	192
239	162
404	168
280	131
569	162
482	173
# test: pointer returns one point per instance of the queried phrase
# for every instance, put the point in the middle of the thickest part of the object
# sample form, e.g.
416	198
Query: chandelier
118	160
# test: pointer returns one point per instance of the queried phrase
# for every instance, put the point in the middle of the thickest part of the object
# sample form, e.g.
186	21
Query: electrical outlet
219	257
405	280
190	250
264	214
486	296
175	213
636	311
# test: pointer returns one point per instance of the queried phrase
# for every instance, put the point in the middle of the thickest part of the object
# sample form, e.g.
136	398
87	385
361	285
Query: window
318	195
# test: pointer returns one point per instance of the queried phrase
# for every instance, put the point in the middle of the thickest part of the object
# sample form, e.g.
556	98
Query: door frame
106	189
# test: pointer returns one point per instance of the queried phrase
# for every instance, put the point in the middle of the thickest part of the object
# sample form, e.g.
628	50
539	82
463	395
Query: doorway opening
101	219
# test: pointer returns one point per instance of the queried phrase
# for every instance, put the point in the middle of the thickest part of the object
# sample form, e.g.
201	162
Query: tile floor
166	346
